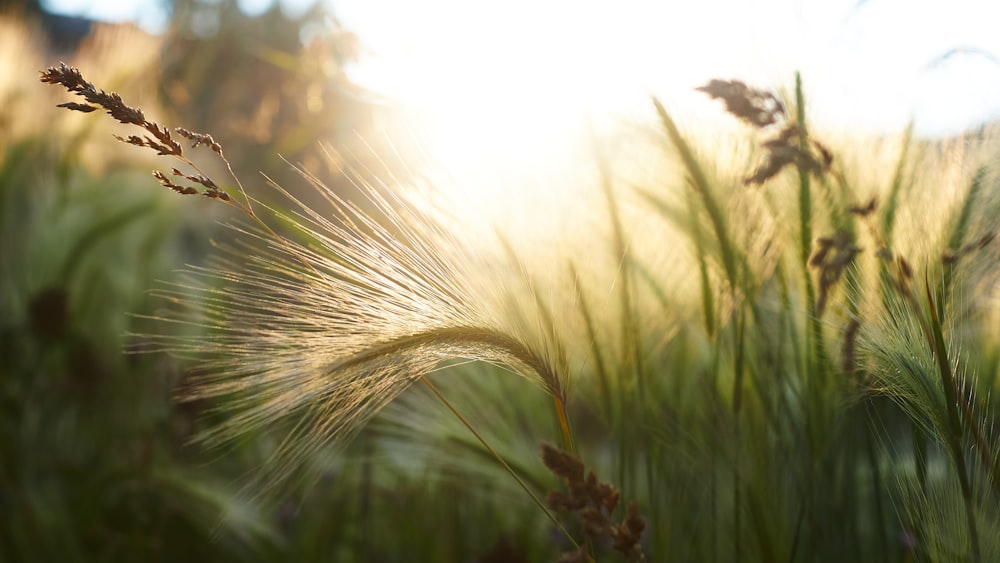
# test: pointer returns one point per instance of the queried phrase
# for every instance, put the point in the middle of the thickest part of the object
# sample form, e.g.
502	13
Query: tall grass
772	350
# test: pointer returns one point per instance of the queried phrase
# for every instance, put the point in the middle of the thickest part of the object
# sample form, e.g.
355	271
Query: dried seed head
158	138
866	209
831	259
759	108
85	108
824	245
628	534
787	148
775	161
825	157
952	257
905	268
848	355
72	80
167	182
594	501
200	139
563	464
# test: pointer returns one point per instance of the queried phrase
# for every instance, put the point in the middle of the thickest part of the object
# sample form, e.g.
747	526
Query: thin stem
954	422
502	462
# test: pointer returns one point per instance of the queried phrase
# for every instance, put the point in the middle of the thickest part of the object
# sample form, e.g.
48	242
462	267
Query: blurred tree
63	33
268	87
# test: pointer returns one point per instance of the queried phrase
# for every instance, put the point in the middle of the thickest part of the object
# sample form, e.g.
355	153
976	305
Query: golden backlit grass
717	325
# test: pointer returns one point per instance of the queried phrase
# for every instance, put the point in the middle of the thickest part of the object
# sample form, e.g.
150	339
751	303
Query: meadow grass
770	354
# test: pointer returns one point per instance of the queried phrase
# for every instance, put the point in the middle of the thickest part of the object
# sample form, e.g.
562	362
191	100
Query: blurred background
95	463
94	457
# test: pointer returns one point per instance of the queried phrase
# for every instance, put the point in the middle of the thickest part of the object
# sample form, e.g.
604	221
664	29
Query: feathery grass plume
935	519
907	354
968	259
895	351
326	325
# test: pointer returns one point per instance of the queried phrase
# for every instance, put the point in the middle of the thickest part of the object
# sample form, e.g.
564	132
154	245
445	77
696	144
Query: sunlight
517	86
505	98
512	85
500	90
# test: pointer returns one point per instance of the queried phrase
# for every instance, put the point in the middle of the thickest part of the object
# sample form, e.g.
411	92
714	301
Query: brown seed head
866	209
71	79
200	139
563	464
594	501
759	108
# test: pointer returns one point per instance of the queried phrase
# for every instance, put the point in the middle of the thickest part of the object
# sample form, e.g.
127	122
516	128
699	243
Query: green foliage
93	459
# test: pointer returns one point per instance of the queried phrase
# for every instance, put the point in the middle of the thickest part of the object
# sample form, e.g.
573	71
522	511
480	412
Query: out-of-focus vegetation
282	94
94	457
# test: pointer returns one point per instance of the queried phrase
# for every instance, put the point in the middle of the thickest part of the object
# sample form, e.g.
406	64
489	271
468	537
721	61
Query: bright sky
549	66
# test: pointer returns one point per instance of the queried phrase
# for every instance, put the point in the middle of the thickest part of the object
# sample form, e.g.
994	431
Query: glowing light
541	64
505	85
504	94
514	84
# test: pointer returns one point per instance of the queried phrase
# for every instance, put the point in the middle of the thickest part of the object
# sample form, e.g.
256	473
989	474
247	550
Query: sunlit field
545	315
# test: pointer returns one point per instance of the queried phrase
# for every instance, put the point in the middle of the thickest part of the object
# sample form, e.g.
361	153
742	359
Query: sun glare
501	91
506	99
513	84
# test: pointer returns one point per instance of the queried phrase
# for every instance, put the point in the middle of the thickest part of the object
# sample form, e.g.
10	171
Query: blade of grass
954	422
958	233
892	201
631	342
600	365
700	184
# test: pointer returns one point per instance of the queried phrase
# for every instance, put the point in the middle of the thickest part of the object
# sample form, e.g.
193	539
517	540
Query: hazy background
518	84
874	64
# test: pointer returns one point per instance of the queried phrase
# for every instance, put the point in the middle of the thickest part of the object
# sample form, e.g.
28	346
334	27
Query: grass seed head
759	108
594	501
